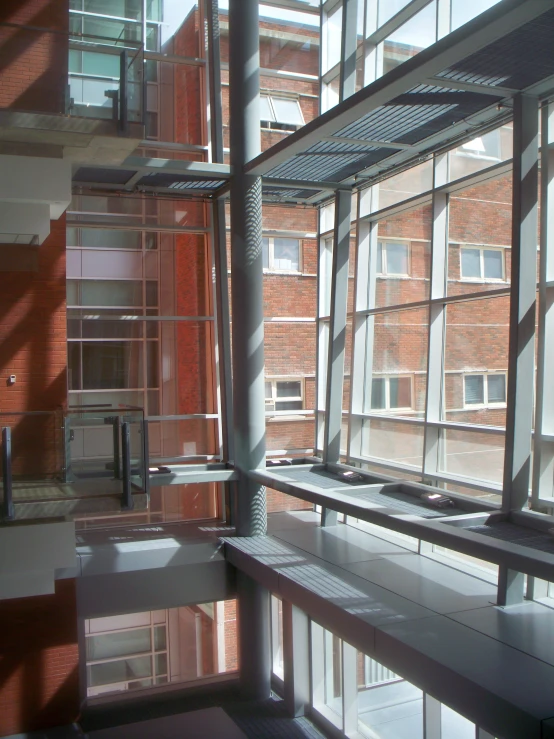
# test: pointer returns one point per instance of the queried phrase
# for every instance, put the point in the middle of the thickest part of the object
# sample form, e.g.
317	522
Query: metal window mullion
521	358
443	18
437	319
337	326
349	44
319	418
359	335
543	463
349	688
431	717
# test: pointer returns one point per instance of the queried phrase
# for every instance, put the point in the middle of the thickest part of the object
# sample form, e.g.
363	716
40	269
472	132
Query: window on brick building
393	258
281	254
391	393
281	113
284	395
480	263
485	390
483	147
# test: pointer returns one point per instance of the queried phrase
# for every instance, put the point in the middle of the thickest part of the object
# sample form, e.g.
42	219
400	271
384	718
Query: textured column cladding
254	638
247	266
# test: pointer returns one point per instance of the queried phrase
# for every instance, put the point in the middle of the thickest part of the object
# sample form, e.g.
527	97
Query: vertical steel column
145	456
247	267
296	659
437	313
349	45
521	361
543	457
337	337
214	76
521	358
219	235
116	422
7	508
337	326
127	498
248	335
349	667
431	717
123	93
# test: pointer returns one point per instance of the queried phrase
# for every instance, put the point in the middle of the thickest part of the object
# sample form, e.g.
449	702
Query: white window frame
270	403
388	378
486	403
276	124
271	254
384	267
481	248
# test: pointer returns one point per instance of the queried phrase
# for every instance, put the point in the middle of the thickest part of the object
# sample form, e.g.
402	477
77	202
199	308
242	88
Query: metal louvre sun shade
408	119
179	182
522	58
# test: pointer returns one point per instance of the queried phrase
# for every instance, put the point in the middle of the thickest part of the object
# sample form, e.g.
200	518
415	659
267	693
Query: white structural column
521	368
349	689
363	332
337	336
248	337
437	316
348	48
296	659
543	459
337	327
521	363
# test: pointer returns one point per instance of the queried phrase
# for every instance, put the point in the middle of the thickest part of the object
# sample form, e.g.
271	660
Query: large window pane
403	258
397	349
479	254
118	644
388	706
110	365
476	361
464	10
471	262
481	152
412	37
392	441
472	454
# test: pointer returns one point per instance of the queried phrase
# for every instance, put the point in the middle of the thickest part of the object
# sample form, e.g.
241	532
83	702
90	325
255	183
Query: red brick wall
33	64
33	347
39	680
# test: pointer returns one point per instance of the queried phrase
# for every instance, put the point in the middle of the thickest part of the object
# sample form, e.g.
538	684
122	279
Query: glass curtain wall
358	696
388	33
154	47
430	371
